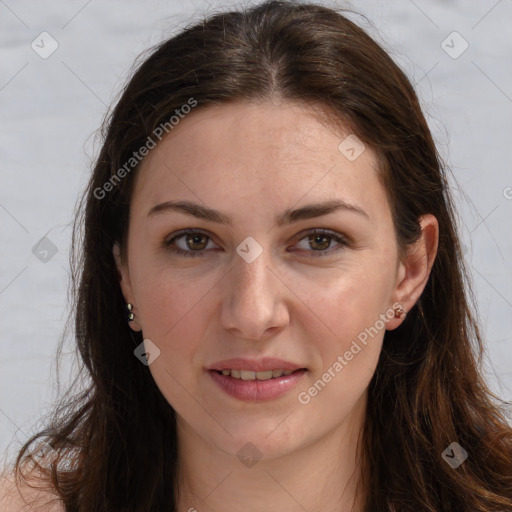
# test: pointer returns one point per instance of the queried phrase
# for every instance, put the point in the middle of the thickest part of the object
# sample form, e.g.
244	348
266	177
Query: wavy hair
427	391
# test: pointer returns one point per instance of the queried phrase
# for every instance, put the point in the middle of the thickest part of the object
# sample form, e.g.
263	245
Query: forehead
283	150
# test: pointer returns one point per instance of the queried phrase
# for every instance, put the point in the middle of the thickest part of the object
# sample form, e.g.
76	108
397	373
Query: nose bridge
251	276
251	263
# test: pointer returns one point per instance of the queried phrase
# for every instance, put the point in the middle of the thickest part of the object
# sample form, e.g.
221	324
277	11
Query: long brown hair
427	391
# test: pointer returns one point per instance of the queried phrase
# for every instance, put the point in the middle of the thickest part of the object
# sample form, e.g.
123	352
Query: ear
126	286
413	273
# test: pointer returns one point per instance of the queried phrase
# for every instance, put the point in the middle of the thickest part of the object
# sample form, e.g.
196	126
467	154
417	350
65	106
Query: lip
255	365
253	390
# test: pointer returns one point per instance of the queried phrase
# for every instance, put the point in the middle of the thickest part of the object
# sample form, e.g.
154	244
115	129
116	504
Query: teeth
252	375
264	375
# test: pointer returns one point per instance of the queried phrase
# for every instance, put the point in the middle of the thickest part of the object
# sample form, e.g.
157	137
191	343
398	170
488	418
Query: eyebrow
287	217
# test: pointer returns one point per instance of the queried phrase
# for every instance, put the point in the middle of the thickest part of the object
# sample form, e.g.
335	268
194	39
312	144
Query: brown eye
196	241
323	241
191	243
319	241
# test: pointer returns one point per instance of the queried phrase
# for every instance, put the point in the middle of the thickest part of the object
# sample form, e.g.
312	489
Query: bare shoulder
28	496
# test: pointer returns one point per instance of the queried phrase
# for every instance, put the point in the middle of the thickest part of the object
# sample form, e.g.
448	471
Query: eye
195	242
322	239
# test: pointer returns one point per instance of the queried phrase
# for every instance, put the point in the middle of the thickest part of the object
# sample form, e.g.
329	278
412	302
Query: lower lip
257	389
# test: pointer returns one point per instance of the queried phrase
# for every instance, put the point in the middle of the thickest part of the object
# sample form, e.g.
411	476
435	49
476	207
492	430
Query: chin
263	440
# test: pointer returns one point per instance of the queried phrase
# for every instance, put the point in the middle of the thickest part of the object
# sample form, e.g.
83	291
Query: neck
323	476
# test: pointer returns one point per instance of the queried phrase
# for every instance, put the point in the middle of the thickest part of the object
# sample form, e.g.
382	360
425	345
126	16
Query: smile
252	386
252	375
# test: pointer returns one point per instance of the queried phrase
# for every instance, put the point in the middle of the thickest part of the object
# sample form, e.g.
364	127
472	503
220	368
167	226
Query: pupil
320	237
195	238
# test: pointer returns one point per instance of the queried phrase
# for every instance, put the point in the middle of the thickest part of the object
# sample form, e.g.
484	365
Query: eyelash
315	232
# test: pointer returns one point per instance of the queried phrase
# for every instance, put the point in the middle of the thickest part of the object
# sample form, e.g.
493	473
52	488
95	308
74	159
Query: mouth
253	375
249	385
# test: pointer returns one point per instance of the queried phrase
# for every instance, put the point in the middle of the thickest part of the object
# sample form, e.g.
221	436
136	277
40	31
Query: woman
270	298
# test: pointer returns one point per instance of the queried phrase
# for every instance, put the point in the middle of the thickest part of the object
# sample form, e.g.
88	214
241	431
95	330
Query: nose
254	303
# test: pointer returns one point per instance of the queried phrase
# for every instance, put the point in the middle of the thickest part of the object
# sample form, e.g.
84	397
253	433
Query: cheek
176	310
351	301
169	297
174	318
350	350
353	309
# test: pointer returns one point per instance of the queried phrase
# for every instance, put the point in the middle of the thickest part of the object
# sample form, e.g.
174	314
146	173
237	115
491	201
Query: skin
252	161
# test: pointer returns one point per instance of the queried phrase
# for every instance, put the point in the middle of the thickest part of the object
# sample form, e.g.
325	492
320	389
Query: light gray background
50	109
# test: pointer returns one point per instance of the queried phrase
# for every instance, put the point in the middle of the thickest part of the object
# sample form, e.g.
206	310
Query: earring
131	316
399	312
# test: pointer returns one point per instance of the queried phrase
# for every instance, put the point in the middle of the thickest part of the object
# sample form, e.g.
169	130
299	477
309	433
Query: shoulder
28	496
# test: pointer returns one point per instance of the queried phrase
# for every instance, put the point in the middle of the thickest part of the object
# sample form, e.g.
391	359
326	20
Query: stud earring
131	316
399	312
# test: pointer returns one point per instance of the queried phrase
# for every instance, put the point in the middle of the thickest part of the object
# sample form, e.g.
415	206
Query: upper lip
255	365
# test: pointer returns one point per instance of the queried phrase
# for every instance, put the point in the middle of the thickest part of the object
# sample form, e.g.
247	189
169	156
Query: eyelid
342	240
169	240
185	231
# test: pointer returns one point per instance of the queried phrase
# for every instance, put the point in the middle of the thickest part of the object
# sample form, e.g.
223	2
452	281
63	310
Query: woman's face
248	286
